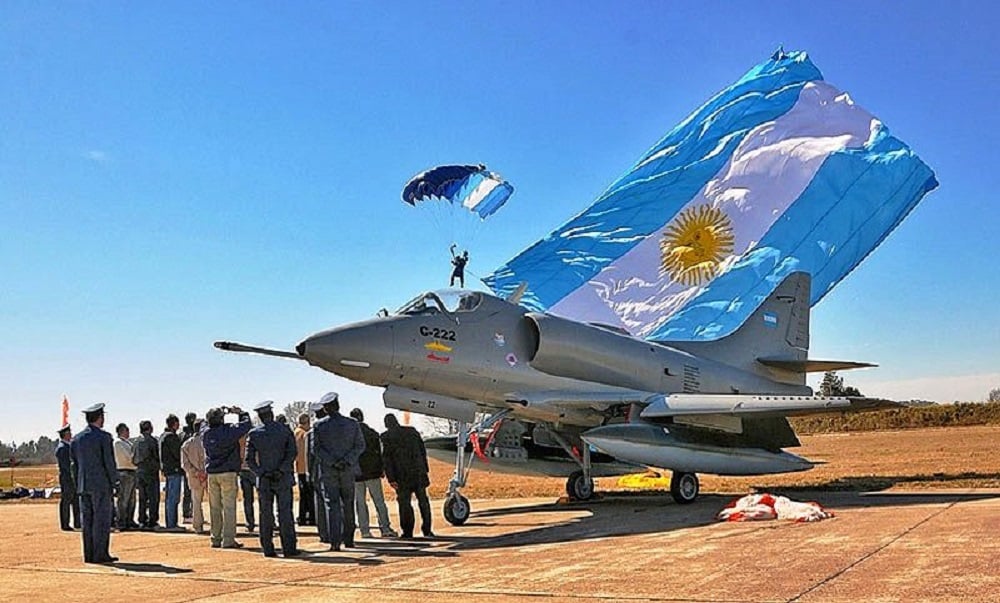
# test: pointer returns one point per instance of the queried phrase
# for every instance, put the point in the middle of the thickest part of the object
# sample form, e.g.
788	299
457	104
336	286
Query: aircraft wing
679	405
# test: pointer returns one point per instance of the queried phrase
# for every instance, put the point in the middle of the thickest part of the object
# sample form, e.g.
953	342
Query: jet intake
568	348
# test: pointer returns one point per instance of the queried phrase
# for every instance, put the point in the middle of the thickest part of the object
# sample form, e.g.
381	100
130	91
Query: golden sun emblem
694	245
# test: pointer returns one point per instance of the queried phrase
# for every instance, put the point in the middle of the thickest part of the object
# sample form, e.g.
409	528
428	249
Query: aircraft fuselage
486	350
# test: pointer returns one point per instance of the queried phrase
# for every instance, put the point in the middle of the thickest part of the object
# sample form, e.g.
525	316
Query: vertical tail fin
777	329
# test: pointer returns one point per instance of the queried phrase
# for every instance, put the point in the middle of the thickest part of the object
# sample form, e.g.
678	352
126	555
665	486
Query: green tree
833	386
294	409
994	395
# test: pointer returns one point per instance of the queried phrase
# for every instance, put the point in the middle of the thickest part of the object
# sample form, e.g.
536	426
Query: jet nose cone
360	351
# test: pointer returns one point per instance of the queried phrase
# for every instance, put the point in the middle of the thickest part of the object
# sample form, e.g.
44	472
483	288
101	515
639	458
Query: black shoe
349	544
67	529
295	553
429	534
270	554
335	548
107	560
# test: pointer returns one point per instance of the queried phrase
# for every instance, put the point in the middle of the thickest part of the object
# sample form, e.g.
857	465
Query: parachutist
459	262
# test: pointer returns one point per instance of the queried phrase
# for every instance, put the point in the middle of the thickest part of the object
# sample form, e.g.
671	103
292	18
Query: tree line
39	452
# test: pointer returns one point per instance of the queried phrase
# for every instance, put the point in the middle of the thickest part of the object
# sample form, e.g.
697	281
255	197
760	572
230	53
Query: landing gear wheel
578	487
684	487
457	509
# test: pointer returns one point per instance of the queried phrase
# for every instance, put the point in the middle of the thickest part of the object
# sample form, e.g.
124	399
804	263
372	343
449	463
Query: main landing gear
683	487
580	484
456	507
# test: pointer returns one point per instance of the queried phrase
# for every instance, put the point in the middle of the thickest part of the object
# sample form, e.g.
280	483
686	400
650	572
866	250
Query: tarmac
920	546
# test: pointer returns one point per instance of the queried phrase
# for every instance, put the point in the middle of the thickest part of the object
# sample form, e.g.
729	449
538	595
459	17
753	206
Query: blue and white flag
780	172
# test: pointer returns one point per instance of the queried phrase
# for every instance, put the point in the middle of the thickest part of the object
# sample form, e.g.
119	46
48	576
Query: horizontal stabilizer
232	346
813	366
757	405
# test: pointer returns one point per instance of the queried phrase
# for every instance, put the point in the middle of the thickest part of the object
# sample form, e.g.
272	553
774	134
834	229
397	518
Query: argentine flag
780	172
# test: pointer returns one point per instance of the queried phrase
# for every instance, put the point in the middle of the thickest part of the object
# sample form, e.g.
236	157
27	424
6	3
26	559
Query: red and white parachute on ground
754	507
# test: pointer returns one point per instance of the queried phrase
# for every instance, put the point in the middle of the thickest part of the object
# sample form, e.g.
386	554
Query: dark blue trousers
95	508
69	505
322	516
338	490
248	482
269	490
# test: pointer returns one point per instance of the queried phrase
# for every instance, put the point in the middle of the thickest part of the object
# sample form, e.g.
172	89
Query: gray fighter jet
534	392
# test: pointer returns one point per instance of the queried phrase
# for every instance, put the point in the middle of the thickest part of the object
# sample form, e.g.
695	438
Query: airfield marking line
874	552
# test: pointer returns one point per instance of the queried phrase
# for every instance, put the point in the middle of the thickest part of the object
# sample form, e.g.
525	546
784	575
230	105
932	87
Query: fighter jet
529	388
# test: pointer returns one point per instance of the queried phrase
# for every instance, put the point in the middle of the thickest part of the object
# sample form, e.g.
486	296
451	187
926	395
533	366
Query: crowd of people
336	461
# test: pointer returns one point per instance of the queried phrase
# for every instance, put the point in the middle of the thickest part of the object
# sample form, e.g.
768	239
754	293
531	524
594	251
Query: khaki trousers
222	507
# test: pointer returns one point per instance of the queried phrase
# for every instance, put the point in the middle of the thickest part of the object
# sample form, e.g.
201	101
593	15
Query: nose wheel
457	509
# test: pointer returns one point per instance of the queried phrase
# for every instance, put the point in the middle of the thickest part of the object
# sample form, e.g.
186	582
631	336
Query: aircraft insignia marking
511	359
770	319
435	358
499	339
437	346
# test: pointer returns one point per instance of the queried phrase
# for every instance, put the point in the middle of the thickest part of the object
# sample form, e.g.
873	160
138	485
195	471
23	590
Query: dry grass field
951	457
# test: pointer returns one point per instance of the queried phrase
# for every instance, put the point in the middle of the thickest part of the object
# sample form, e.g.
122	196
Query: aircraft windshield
445	300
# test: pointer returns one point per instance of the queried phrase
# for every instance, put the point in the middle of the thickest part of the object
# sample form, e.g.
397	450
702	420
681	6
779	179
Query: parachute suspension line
458	199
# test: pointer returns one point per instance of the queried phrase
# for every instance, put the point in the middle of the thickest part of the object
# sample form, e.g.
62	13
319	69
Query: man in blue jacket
68	501
337	444
312	466
222	464
97	476
271	455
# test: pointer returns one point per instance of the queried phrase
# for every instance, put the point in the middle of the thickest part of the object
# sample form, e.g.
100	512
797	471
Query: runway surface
921	546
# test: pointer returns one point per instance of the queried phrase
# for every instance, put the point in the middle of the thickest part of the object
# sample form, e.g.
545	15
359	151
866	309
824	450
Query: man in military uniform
406	469
67	481
97	477
270	454
337	444
313	468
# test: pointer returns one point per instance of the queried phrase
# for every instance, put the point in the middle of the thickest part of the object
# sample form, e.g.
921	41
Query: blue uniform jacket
95	461
337	443
222	445
64	456
271	453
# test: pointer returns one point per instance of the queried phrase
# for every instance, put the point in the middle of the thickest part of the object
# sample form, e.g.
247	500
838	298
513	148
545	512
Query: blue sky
175	174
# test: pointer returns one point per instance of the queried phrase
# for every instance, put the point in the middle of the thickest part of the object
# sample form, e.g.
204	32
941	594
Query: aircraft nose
365	348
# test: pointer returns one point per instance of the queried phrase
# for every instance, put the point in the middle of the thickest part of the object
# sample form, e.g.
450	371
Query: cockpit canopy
449	301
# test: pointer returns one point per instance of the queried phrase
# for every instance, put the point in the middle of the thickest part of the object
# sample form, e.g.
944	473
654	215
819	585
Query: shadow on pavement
633	513
156	568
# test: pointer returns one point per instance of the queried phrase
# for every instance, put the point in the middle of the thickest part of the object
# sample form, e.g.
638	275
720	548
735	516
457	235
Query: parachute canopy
470	186
780	172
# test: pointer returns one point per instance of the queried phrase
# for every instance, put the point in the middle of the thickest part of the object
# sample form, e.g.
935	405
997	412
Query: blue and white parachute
780	172
470	186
